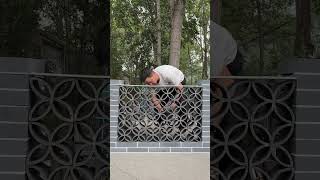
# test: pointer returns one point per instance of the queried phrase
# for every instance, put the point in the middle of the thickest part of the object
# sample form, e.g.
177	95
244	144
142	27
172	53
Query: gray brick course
137	149
148	144
191	144
113	128
118	149
206	145
114	102
116	81
206	103
180	149
200	149
127	144
159	149
205	139
205	128
170	144
114	98
206	123
114	124
113	134
113	139
114	113
206	133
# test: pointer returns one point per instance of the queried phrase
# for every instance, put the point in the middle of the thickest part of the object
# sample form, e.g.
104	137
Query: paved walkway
160	166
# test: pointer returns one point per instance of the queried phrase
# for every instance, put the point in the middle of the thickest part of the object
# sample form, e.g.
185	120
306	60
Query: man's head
150	77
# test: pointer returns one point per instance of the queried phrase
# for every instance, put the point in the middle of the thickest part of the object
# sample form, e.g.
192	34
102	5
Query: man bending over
164	75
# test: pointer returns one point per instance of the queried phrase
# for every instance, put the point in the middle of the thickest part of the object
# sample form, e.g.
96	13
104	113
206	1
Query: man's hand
225	83
156	102
173	106
159	108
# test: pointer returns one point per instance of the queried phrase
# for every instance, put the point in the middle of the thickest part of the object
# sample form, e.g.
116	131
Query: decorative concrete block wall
307	135
14	107
190	147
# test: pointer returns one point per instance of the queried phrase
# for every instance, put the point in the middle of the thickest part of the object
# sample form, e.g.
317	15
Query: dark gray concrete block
12	164
308	98
8	147
13	130
307	176
13	176
307	114
14	64
299	65
14	113
14	81
307	131
307	163
307	81
14	97
311	147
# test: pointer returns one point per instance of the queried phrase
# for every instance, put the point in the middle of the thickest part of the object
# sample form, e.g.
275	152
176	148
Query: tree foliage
280	33
265	40
81	27
134	37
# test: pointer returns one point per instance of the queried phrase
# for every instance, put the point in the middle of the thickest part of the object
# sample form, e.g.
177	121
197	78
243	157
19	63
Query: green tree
134	37
260	28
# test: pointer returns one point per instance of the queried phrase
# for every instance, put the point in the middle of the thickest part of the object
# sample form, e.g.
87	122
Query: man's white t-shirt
223	48
169	75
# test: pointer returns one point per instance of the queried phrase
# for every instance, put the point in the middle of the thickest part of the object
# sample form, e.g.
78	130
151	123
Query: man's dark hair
146	72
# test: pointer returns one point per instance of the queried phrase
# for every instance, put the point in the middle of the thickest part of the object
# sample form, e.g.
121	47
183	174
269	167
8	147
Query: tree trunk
176	28
205	60
216	7
67	57
155	51
158	56
171	5
303	45
190	65
261	37
205	43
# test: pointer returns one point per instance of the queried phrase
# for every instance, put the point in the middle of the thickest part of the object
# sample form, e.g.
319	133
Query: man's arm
225	83
156	102
180	91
